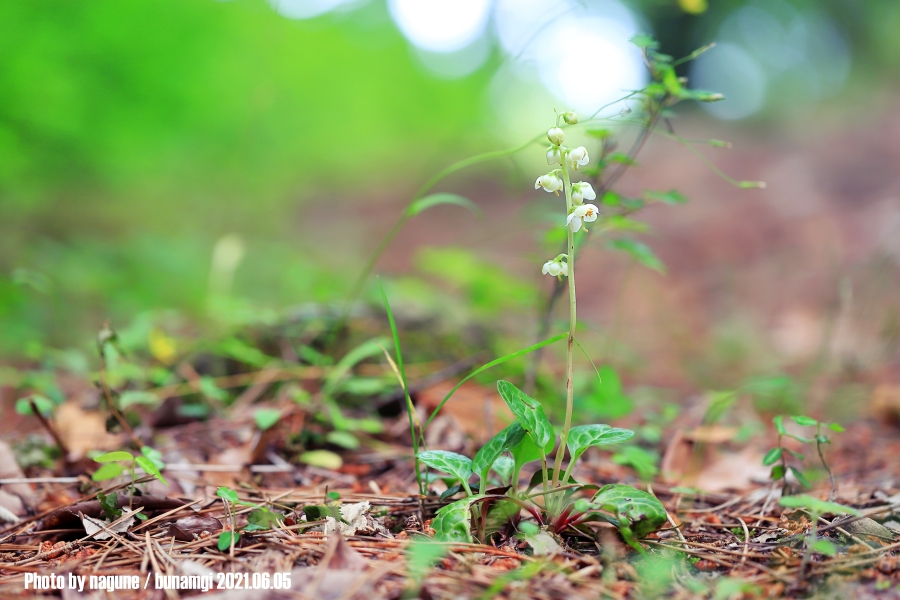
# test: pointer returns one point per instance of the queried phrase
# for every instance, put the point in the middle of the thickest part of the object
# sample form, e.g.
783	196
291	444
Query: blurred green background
134	135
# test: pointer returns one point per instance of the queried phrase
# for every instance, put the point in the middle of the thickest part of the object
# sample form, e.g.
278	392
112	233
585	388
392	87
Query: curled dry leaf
187	529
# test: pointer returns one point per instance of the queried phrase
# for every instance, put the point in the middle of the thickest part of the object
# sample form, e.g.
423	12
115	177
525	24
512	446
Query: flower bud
570	117
556	136
554	156
582	191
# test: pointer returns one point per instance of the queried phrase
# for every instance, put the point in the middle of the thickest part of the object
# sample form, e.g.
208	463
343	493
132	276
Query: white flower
552	268
556	136
564	266
582	191
585	213
549	182
570	117
577	157
553	156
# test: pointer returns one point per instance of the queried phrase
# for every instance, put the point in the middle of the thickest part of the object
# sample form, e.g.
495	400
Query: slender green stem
570	242
544	483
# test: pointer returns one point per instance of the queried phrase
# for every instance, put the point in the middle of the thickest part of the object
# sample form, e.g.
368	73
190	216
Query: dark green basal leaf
451	491
452	523
423	204
584	436
804	421
639	251
538	478
772	456
529	413
636	512
448	462
506	440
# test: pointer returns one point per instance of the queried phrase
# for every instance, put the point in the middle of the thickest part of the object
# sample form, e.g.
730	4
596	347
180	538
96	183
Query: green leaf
132	397
623	223
44	405
451	491
538	478
528	412
637	513
527	451
324	459
344	439
493	363
795	454
777	473
584	436
114	457
800	477
266	417
107	471
621	158
225	540
779	424
639	251
150	468
448	462
824	547
805	421
503	467
836	427
815	505
228	494
670	197
263	518
799	438
452	523
607	399
504	441
643	40
423	204
772	456
365	350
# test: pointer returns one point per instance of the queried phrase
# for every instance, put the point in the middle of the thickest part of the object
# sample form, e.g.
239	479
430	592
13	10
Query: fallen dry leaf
82	431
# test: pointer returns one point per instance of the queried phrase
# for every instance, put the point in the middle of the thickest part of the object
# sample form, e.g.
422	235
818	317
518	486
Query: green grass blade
493	363
409	405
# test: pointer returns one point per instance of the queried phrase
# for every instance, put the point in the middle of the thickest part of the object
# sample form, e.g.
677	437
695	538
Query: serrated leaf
114	457
670	197
818	506
107	471
452	523
228	494
506	440
448	462
639	251
423	204
772	456
528	412
804	421
584	436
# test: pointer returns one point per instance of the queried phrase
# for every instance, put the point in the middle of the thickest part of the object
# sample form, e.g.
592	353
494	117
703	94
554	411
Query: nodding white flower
585	213
549	182
570	117
582	191
577	157
556	136
555	267
551	267
554	156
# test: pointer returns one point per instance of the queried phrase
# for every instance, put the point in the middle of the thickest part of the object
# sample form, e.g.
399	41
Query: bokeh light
441	25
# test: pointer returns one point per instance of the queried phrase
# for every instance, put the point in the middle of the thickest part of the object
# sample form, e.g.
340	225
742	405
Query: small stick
50	429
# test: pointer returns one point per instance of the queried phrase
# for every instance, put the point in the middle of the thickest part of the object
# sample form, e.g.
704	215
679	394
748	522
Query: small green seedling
258	519
779	453
116	463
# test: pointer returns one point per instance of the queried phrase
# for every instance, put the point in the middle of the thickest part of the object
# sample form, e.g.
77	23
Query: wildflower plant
553	500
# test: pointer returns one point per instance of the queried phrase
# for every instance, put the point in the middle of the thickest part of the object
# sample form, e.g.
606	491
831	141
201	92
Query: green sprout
115	463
